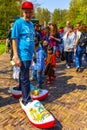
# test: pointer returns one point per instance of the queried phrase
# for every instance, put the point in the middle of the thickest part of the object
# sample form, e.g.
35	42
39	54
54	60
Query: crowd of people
39	47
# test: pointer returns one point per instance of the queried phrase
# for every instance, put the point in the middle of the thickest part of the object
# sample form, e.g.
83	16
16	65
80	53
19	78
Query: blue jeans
24	81
79	53
54	49
37	75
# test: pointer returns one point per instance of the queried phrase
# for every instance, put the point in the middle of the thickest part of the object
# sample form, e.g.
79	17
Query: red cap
27	5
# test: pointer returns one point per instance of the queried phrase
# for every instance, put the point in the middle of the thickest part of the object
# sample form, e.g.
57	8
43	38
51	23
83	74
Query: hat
27	5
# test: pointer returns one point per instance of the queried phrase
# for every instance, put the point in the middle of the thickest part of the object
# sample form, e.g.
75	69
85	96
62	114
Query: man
68	24
23	48
9	41
79	46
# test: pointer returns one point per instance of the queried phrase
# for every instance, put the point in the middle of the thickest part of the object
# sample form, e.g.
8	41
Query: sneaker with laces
67	66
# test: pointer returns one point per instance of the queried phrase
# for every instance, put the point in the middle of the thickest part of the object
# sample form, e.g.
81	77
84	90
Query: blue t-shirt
24	32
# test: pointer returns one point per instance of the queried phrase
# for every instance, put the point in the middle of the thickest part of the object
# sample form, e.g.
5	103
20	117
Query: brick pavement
67	99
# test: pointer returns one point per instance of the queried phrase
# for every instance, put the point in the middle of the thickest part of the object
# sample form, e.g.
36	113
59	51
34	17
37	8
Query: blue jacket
39	65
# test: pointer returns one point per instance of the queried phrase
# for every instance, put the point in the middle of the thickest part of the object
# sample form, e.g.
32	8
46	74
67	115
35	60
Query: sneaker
78	69
12	62
67	66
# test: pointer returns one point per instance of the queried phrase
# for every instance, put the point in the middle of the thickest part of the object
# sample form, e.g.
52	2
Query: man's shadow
8	100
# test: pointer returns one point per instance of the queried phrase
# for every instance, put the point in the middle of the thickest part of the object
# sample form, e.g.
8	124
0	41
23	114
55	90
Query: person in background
39	65
46	33
50	65
44	48
37	31
9	41
80	50
68	24
54	37
69	40
61	46
23	48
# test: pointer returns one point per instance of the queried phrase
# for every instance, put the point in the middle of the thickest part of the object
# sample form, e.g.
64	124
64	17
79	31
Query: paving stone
67	99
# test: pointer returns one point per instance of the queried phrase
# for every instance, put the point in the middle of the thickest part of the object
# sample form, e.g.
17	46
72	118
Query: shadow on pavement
8	99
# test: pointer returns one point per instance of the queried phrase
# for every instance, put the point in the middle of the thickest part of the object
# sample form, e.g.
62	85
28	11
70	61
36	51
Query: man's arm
15	52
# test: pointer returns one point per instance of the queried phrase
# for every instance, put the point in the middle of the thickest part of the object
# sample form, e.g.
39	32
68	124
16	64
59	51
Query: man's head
68	23
27	9
78	25
70	28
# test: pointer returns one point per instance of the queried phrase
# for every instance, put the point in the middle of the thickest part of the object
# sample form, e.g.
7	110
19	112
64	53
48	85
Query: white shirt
69	41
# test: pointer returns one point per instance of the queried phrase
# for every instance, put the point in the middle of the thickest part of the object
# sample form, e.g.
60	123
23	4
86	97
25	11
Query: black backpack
83	39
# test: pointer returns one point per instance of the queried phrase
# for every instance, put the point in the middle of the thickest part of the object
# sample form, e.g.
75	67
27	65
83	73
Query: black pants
68	57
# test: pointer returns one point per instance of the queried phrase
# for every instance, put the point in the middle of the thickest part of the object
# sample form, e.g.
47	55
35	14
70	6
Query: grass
2	48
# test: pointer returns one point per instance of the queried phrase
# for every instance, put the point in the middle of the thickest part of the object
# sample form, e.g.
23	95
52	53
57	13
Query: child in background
39	65
44	47
50	64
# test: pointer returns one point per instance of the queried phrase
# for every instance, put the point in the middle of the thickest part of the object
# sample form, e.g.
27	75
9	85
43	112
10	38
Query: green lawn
2	48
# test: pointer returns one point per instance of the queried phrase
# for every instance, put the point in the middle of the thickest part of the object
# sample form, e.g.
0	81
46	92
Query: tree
59	17
78	11
43	15
8	10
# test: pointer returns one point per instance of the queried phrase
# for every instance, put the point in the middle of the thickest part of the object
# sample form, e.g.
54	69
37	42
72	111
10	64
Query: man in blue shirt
23	48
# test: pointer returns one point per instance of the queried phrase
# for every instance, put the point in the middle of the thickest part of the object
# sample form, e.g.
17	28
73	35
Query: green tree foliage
77	11
8	10
59	17
43	15
56	16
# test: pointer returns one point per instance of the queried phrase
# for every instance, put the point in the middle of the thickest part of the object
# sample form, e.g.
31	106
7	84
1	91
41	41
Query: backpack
83	39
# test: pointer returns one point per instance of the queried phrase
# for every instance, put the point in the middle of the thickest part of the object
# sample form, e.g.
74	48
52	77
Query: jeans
61	47
37	75
79	53
54	49
24	82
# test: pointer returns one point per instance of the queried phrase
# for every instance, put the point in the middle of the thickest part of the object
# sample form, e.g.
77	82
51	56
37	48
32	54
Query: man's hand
17	61
34	59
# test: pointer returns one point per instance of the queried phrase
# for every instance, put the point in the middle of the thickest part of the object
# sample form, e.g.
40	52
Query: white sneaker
12	62
67	66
